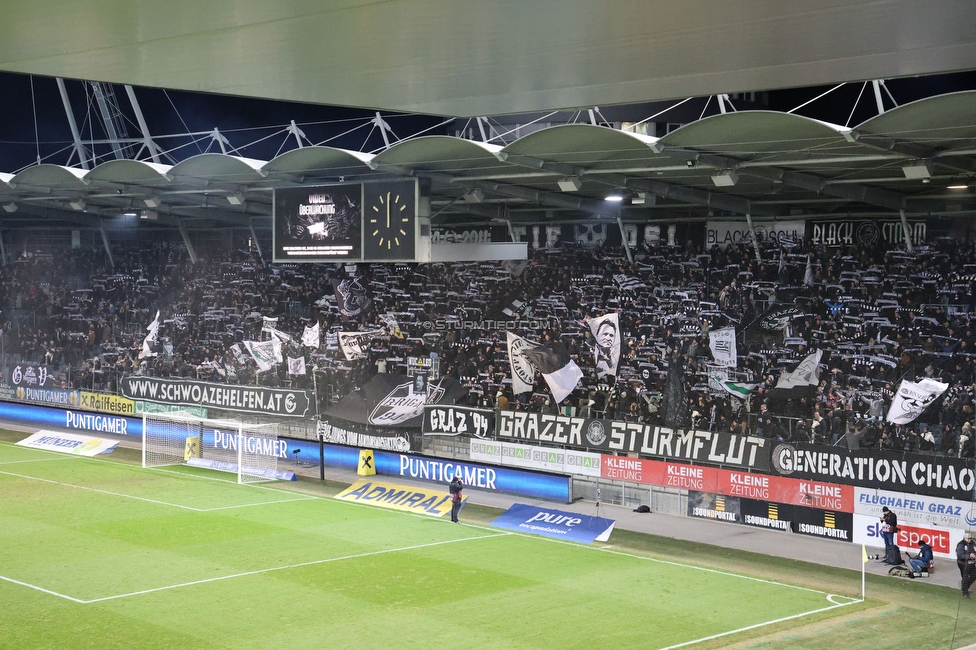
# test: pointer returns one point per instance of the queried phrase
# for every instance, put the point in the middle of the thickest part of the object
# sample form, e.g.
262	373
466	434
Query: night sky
244	121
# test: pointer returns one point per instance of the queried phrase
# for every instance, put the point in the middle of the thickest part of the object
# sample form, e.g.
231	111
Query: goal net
249	450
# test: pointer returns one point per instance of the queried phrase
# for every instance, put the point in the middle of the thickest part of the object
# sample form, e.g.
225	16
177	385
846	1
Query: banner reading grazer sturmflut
647	440
248	399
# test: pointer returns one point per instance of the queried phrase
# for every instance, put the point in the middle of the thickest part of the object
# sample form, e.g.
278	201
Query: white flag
262	353
912	398
606	331
153	328
311	337
355	345
523	372
722	344
808	275
806	374
269	323
296	366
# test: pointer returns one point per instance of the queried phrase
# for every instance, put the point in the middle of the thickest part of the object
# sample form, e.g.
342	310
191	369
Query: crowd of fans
879	314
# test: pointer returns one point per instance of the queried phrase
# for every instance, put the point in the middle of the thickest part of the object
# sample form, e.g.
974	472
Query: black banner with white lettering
766	514
824	523
714	506
937	476
661	443
342	432
30	376
458	420
246	399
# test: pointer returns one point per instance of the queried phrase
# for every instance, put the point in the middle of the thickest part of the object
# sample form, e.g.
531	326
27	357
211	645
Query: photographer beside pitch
455	490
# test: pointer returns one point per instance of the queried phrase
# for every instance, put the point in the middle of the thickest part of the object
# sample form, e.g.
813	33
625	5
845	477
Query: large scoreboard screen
354	222
318	224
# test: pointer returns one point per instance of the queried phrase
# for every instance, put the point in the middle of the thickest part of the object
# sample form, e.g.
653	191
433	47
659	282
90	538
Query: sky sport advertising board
867	530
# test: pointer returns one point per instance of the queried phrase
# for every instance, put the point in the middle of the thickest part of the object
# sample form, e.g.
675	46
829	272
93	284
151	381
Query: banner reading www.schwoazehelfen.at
247	399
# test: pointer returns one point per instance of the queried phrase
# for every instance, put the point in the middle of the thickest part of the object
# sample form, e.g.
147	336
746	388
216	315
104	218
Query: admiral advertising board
247	399
713	448
938	476
458	420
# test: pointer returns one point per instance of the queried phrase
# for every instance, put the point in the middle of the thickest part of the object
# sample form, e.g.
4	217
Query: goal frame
244	457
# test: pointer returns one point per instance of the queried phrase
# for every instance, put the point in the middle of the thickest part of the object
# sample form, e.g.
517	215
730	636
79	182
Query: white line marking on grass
752	627
291	566
259	503
114	494
39	460
47	591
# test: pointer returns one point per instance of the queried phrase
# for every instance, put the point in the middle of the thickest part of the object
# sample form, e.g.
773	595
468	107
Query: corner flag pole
864	560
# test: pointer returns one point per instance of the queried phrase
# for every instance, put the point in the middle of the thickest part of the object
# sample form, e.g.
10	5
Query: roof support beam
75	134
105	243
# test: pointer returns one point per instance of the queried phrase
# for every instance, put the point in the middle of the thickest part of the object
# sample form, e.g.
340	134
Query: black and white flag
722	344
629	283
296	366
912	398
311	337
606	331
355	345
560	371
806	374
351	297
150	339
523	372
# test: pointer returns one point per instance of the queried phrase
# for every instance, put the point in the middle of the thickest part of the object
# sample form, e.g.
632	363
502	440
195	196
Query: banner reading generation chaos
248	399
633	437
937	476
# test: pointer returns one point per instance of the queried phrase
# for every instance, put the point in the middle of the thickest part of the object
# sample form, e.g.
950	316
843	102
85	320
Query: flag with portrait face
606	331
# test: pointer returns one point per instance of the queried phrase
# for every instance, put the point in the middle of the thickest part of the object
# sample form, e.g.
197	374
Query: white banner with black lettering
722	344
565	461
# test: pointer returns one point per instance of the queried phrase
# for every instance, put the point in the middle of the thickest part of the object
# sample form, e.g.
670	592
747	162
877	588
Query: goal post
249	450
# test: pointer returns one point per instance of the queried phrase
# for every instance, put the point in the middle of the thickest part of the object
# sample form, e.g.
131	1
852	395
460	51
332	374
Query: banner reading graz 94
647	440
248	399
449	420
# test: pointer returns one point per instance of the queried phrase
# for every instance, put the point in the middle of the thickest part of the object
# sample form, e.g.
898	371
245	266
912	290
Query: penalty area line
258	503
289	566
91	489
756	626
46	591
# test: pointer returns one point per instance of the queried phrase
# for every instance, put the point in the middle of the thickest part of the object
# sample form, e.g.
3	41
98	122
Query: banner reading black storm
247	399
938	476
649	441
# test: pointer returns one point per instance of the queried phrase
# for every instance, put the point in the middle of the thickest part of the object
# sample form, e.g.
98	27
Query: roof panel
442	153
943	122
318	159
219	167
129	171
44	177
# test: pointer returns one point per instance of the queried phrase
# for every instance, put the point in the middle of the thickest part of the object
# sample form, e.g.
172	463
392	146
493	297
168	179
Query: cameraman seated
920	562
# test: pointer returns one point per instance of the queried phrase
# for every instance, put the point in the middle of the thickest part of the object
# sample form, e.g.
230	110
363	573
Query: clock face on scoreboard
390	221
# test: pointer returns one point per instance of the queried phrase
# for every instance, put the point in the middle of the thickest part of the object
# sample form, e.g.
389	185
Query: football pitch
100	553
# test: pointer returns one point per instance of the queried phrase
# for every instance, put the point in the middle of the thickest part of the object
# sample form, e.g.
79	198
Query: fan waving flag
606	331
912	398
735	388
311	337
150	339
523	373
296	366
806	374
262	352
722	344
560	371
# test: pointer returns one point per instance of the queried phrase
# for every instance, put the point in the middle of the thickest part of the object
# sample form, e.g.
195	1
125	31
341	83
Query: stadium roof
462	58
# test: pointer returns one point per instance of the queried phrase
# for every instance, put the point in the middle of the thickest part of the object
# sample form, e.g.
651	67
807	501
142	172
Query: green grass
184	558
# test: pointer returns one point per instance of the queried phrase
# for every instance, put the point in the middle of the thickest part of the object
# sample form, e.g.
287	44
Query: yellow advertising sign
366	467
435	503
112	404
